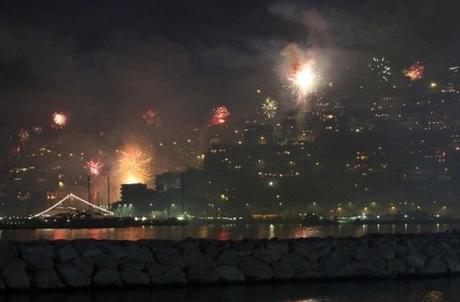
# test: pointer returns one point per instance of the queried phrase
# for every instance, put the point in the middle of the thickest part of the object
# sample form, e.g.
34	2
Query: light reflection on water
222	232
434	290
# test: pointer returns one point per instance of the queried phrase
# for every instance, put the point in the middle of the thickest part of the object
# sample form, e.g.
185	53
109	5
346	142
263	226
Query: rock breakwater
143	263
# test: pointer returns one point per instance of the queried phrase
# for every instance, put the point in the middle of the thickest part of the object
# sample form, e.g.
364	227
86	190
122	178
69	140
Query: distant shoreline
114	222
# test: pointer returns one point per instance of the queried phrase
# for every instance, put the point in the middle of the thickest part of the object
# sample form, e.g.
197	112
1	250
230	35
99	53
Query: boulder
296	263
195	259
37	248
210	249
187	244
377	264
72	276
330	265
280	247
228	257
230	273
254	269
416	260
106	261
203	275
163	274
134	277
114	250
66	254
138	252
387	252
267	255
38	261
453	264
8	253
46	279
305	249
350	269
131	263
281	271
84	264
107	278
90	250
435	266
359	252
15	278
396	266
16	263
169	256
322	246
243	248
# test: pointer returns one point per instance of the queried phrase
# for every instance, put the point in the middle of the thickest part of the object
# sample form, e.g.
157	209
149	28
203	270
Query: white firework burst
270	107
380	66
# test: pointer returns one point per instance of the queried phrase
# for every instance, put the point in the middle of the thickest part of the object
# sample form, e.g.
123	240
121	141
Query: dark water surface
223	232
433	290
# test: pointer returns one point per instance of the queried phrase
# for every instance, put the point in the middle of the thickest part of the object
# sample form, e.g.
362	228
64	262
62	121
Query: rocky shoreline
49	265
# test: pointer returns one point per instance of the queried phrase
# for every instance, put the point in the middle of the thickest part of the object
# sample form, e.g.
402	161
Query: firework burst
220	115
24	136
37	129
134	166
415	72
94	167
300	71
381	68
59	120
151	117
270	108
303	80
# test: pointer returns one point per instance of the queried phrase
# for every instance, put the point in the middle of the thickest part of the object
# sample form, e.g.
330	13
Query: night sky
105	62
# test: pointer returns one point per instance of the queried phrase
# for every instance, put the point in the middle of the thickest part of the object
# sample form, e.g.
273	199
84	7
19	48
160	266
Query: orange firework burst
220	115
94	167
151	117
415	72
134	166
60	120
